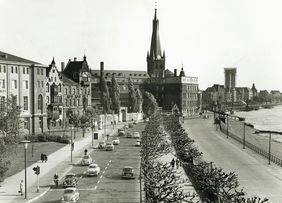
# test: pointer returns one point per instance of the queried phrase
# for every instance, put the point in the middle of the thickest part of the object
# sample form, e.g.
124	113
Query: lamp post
244	137
72	145
269	148
25	144
227	133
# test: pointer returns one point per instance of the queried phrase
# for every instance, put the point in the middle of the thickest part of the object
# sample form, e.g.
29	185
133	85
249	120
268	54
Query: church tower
155	58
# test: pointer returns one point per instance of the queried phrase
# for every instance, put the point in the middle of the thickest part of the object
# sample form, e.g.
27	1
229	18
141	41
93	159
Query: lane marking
106	167
104	172
95	187
101	176
98	182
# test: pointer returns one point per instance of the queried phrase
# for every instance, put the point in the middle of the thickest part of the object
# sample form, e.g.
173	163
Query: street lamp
25	144
72	145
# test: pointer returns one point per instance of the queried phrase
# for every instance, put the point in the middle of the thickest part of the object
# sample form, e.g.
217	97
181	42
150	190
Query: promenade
58	161
254	173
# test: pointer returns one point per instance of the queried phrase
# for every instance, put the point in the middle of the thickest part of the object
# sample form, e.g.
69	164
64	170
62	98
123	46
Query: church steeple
155	58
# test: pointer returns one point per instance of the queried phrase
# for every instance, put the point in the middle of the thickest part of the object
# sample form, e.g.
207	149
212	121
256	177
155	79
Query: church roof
155	51
12	58
121	73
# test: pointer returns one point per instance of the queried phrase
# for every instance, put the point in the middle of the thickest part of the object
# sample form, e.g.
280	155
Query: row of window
14	69
40	71
59	89
74	90
25	102
14	84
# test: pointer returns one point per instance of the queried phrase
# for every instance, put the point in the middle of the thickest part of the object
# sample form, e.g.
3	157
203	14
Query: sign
95	136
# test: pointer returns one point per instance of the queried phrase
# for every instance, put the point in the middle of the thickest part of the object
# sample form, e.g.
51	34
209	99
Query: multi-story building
54	96
24	79
230	84
243	94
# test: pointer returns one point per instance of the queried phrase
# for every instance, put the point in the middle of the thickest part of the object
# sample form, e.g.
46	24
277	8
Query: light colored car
121	133
102	145
126	126
128	172
70	180
136	135
70	195
115	141
128	134
109	146
137	143
93	170
86	160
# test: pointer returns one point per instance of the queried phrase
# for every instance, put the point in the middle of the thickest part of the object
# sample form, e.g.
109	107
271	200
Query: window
42	84
4	69
2	83
78	102
47	98
25	98
66	102
70	102
23	70
66	91
26	123
27	70
38	83
25	84
73	90
0	68
16	69
41	70
14	84
40	102
47	87
38	71
12	69
2	103
60	87
55	79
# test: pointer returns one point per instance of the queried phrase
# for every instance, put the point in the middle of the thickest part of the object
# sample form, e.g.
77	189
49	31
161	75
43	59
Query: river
264	119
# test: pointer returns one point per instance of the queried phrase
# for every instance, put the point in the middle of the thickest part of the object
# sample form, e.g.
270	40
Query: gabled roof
76	67
121	73
12	58
67	80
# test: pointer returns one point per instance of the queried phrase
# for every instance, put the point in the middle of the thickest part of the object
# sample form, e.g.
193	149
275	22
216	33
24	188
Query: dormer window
75	75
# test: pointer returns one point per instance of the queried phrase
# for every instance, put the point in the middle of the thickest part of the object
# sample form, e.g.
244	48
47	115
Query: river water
264	119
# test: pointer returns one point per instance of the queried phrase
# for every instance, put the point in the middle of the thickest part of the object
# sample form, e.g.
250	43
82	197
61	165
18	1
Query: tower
155	58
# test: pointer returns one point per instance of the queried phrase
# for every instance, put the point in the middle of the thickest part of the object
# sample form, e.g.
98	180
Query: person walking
72	146
45	158
177	163
21	187
85	152
42	157
172	163
56	179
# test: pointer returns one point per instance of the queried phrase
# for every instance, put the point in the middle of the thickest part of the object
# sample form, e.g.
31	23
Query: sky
203	36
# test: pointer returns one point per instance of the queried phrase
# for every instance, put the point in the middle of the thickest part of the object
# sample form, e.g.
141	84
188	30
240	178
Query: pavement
255	176
59	161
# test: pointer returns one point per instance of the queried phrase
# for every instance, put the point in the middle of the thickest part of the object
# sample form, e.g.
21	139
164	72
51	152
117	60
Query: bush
42	138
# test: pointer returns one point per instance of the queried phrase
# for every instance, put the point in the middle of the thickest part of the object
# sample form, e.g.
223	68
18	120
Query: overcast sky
203	35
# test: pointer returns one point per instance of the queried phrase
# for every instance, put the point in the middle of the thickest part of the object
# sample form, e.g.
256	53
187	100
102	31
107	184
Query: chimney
74	59
69	60
62	66
101	68
175	72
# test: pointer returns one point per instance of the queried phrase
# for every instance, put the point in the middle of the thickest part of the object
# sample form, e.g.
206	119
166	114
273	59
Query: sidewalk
184	180
58	161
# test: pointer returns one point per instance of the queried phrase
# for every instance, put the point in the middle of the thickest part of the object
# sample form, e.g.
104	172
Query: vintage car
128	172
86	160
93	170
115	141
109	146
136	135
102	145
121	132
130	125
70	195
70	180
137	143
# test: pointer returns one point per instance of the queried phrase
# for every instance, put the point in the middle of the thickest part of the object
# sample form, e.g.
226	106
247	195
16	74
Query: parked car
102	145
130	125
128	172
70	195
134	122
121	133
115	141
128	134
86	160
109	146
93	170
70	180
126	126
137	143
136	135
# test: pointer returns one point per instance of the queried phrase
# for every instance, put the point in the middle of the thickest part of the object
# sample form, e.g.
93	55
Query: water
264	119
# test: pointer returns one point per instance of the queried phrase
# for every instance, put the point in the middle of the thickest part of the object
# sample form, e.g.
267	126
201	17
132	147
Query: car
115	141
93	170
70	180
102	145
130	125
109	146
121	133
86	160
70	195
128	134
126	126
128	172
136	135
134	122
137	143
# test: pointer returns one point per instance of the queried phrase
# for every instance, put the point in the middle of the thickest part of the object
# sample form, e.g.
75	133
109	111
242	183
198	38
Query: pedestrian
108	136
85	152
42	157
56	179
172	163
45	158
177	163
72	146
21	187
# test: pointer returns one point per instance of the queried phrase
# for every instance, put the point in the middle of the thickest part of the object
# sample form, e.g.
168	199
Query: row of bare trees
211	182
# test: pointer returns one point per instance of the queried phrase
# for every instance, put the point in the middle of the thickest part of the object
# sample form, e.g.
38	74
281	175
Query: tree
133	106
150	105
115	95
105	97
139	100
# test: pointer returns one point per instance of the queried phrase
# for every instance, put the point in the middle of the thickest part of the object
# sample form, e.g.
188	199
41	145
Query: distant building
230	84
254	90
243	94
26	80
276	96
214	96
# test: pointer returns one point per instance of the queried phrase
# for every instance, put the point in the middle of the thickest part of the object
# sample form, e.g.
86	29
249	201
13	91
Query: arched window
47	87
66	91
60	87
47	98
40	102
73	90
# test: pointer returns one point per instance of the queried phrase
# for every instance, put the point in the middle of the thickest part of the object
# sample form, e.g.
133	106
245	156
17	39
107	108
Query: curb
38	196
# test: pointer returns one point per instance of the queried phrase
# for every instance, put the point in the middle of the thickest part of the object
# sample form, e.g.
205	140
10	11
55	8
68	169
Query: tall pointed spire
155	51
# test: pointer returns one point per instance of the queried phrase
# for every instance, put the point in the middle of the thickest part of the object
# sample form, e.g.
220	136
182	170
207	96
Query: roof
121	73
67	80
76	67
12	58
155	51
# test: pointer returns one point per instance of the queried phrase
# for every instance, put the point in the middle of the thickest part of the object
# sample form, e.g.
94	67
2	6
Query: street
254	174
108	186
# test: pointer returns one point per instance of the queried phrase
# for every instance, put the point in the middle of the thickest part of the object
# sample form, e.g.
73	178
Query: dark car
70	180
128	172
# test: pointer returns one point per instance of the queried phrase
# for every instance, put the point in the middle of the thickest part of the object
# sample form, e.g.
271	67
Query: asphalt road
255	175
108	186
